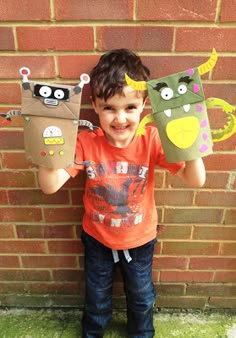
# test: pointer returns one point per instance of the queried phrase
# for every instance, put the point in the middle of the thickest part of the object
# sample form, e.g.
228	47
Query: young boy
120	219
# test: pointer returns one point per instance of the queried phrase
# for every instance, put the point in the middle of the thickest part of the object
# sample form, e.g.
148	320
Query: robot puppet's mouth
51	102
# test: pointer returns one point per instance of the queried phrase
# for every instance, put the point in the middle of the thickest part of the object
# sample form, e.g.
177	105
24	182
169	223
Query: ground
23	323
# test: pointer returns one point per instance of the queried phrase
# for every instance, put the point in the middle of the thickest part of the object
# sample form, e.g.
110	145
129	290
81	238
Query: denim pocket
95	249
142	256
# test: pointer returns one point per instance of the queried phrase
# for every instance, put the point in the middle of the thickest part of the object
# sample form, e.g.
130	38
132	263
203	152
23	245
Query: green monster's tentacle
229	129
147	119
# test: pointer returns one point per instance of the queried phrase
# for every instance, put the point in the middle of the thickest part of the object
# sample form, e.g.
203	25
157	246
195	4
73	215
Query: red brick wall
41	256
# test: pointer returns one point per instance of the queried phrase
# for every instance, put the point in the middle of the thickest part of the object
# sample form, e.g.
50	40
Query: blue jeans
138	285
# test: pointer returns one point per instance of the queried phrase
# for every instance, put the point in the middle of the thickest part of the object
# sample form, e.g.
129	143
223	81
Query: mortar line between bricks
95	38
117	23
174	40
15	38
218	10
52	10
49	53
135	10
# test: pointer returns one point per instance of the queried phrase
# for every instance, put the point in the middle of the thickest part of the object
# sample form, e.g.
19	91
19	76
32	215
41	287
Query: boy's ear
94	106
144	102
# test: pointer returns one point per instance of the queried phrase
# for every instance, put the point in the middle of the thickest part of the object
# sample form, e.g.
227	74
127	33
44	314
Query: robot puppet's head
42	96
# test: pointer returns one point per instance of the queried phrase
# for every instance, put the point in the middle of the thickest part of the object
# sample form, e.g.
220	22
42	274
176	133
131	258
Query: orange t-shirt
120	210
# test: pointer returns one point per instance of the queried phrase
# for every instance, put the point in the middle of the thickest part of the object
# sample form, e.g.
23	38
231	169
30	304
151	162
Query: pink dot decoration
203	148
205	136
190	71
199	107
196	88
204	123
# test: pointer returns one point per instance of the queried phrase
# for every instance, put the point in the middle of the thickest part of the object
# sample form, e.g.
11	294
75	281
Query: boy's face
120	115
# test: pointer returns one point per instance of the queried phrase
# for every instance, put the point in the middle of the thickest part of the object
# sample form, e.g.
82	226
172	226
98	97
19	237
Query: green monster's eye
167	93
182	89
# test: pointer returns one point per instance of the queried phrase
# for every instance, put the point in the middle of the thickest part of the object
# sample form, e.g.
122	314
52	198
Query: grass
66	324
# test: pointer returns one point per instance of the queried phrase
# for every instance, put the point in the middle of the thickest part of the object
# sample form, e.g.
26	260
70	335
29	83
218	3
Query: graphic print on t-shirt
115	193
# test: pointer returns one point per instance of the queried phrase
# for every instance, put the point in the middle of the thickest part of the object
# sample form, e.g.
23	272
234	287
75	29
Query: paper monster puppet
179	110
51	119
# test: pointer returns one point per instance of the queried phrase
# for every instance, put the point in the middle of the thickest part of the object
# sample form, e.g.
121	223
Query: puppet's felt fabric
179	110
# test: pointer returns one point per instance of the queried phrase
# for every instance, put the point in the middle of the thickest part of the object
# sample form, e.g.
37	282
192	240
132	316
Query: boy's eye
107	108
131	107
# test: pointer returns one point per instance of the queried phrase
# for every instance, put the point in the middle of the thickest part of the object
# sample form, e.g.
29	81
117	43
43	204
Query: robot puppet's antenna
24	72
84	79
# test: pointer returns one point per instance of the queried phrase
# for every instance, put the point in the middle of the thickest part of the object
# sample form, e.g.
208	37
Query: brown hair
108	76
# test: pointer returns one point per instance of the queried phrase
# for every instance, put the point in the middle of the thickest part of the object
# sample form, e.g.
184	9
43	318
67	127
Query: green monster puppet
180	113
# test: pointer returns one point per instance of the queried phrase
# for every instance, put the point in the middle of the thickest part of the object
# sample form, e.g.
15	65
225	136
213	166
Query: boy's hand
51	180
193	173
160	228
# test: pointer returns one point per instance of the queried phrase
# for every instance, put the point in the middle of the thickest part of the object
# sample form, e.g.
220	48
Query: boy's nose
121	117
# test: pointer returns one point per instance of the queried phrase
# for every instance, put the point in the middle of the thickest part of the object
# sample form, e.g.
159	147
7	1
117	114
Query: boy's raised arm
51	180
193	173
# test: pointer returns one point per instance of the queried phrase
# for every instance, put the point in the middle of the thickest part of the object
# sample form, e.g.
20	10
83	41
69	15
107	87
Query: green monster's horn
207	66
137	85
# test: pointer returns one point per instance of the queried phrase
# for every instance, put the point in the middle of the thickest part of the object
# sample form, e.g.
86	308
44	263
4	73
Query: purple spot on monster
205	136
196	88
203	148
190	71
199	107
204	123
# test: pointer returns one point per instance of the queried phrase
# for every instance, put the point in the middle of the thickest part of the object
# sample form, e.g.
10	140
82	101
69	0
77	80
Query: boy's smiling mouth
120	129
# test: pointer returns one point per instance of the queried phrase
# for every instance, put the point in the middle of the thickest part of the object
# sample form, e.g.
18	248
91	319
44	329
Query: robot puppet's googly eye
45	91
167	93
59	94
182	89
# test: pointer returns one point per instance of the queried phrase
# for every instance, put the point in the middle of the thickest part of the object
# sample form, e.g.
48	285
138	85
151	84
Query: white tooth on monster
167	112
186	108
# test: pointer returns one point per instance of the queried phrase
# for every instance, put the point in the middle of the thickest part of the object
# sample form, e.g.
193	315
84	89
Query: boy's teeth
186	108
168	112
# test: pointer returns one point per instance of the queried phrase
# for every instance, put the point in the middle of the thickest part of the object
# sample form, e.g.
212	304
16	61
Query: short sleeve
79	158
